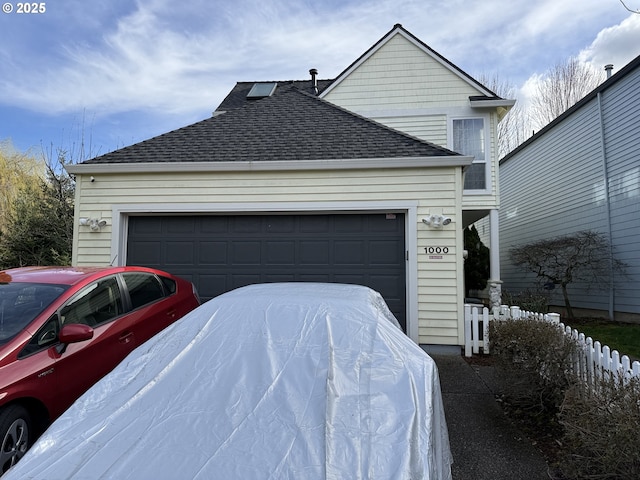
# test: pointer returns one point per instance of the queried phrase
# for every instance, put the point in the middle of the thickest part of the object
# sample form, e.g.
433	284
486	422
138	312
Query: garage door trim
121	213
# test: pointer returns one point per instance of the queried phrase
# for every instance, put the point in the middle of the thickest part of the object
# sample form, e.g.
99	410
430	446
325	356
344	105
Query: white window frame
487	150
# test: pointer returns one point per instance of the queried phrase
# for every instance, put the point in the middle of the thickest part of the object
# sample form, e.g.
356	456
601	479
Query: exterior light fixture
94	223
436	221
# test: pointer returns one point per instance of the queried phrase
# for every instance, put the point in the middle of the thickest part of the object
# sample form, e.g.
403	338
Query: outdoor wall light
436	221
94	223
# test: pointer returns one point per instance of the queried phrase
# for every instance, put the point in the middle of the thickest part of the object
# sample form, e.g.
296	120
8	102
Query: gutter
278	165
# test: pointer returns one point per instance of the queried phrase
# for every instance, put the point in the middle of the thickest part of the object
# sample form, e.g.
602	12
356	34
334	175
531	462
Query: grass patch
623	337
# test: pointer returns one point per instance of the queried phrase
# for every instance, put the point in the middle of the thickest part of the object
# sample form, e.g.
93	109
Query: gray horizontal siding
555	186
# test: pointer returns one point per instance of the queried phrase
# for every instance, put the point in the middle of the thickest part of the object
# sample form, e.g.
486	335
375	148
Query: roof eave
491	103
281	165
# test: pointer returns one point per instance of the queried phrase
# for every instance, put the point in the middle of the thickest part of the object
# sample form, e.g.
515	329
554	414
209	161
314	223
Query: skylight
261	90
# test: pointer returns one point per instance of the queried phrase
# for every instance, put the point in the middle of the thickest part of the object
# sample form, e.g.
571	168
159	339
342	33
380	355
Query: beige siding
433	190
432	128
402	86
401	75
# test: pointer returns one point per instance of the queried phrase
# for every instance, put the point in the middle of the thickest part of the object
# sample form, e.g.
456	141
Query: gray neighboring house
581	172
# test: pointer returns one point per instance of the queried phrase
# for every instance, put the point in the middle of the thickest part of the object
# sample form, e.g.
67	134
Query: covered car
283	380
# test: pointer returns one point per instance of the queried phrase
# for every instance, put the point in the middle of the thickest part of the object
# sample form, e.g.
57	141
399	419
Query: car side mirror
73	333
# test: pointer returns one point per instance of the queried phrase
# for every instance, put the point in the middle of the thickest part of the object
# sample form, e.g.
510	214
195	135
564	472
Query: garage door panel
210	286
384	224
222	252
280	252
352	278
184	225
246	224
146	252
245	252
315	277
180	253
278	277
279	224
314	223
213	253
214	224
146	225
385	252
314	252
242	280
349	224
349	252
389	284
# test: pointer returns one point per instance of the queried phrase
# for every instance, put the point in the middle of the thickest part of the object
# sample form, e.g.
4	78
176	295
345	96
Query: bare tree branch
630	9
562	86
515	127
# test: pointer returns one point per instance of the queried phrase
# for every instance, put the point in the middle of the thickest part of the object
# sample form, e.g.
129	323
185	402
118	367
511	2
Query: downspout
605	171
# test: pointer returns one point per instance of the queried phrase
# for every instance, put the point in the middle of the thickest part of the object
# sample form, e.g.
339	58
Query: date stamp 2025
25	7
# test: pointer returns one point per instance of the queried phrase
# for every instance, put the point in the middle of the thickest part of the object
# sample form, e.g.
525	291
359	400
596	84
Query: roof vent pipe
608	68
314	81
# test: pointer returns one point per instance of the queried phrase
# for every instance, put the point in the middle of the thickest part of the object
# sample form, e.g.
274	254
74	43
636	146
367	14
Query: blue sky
116	73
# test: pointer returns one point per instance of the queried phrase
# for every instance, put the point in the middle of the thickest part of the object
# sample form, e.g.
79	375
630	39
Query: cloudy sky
126	70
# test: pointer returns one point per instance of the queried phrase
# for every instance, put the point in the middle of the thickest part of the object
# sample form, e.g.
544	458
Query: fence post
615	363
475	330
589	359
553	317
485	333
467	330
597	354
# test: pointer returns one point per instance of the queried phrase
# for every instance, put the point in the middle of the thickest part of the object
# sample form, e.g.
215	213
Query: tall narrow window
469	139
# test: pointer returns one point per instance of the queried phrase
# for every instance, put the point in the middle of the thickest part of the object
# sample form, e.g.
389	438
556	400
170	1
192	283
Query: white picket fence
592	361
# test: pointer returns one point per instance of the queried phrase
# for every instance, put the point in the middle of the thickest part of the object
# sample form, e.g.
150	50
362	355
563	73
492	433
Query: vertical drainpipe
605	171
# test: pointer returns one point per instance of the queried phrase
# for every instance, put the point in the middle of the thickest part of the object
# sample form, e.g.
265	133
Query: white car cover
281	381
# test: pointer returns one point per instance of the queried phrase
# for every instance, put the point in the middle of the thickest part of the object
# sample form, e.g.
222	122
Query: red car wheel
15	430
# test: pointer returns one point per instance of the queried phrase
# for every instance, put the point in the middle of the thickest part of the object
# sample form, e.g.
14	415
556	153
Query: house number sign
436	253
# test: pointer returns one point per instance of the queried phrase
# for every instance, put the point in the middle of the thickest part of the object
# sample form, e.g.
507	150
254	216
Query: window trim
487	149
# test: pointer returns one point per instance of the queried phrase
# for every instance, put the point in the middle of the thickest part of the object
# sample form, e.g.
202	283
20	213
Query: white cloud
180	57
616	45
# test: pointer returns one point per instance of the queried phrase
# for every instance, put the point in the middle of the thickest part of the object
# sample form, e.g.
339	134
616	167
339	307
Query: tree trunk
567	304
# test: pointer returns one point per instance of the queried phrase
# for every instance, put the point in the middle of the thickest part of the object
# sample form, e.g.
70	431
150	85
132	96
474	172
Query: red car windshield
20	303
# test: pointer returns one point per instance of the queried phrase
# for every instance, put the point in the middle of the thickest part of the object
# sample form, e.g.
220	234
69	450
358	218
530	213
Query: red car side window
143	288
94	305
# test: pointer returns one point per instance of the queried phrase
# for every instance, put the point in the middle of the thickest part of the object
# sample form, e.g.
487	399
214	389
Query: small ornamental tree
583	256
476	265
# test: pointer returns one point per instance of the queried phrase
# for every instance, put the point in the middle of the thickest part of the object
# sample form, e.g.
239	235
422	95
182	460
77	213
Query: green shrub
531	357
601	430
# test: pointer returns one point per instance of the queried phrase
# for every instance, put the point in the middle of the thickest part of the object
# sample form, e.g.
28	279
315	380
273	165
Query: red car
64	328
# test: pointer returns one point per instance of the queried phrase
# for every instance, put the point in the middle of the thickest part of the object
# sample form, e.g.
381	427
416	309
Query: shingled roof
237	97
292	125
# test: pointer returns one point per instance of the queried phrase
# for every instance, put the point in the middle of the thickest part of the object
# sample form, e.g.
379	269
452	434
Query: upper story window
469	138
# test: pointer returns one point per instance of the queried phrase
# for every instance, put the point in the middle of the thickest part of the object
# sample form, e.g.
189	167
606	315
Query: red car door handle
126	337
